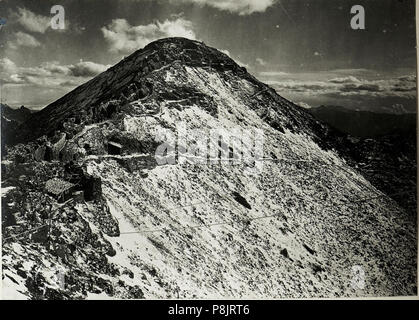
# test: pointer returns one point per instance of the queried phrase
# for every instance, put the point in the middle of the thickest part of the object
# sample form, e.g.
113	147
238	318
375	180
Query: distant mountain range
11	118
19	115
365	123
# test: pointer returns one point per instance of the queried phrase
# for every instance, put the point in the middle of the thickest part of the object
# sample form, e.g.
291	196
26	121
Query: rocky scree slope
141	226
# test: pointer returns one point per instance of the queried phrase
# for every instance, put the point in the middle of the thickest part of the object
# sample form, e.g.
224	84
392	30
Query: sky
305	49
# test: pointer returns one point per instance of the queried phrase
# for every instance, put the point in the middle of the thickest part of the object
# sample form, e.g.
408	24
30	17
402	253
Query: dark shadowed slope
365	124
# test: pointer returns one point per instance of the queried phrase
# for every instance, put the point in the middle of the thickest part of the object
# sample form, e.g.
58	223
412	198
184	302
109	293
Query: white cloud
124	38
400	87
242	7
8	72
261	62
23	39
349	79
50	74
31	21
7	65
408	78
382	94
54	68
87	69
273	74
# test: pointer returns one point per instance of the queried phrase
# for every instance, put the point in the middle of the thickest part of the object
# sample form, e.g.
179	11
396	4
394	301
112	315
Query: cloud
31	21
40	85
409	78
7	65
378	93
360	87
54	68
124	38
49	74
352	71
273	74
349	79
8	71
241	7
261	62
396	87
23	39
87	69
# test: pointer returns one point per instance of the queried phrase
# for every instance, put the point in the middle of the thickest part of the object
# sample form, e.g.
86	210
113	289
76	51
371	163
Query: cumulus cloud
360	87
374	94
301	85
31	21
124	38
7	65
23	39
87	69
353	71
241	7
404	87
261	62
70	83
50	74
408	78
349	79
53	68
8	72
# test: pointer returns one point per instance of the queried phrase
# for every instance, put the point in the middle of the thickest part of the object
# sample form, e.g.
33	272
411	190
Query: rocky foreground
107	193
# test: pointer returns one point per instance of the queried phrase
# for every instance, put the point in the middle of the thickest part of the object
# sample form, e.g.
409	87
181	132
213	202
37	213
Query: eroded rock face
160	225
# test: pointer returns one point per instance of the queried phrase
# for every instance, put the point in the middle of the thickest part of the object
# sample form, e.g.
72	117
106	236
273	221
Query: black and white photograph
208	149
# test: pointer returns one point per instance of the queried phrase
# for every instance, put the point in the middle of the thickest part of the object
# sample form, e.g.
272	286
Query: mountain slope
383	149
146	218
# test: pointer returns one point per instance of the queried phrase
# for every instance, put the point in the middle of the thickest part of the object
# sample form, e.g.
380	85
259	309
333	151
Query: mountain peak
135	72
187	51
178	43
166	51
143	77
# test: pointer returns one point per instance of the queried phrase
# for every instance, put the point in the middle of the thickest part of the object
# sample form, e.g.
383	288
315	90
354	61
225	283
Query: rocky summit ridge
134	78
